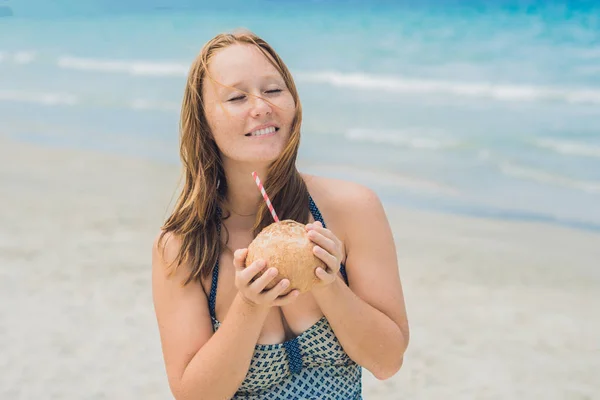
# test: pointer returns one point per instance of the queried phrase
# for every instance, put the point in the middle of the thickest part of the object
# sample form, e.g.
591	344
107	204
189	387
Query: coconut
285	245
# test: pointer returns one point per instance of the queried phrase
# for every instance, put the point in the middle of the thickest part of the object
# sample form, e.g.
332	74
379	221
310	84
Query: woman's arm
369	317
201	364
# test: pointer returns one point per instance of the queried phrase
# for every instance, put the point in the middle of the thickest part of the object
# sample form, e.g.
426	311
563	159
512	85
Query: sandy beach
497	309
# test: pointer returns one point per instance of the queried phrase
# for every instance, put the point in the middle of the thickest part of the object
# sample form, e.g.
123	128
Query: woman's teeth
265	131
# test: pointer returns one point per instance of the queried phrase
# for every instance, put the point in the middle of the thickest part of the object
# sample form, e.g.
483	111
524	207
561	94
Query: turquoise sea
474	107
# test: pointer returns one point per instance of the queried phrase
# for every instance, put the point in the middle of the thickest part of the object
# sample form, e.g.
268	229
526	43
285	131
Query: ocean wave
142	68
569	147
416	138
18	57
360	81
143	104
503	92
69	99
50	99
532	174
24	57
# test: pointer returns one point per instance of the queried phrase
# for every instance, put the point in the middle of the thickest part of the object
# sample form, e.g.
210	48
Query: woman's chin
265	160
256	156
266	156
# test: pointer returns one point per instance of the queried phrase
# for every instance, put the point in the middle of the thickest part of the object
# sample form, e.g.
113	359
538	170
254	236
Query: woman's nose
260	106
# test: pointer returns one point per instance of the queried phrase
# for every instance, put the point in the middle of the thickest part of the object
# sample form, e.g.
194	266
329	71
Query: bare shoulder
165	261
165	249
341	198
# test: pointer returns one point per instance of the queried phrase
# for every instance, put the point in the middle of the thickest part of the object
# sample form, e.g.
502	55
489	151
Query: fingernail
272	271
284	283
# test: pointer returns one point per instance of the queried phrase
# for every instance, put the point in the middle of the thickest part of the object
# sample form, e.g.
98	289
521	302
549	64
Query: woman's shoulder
338	192
166	249
341	199
167	244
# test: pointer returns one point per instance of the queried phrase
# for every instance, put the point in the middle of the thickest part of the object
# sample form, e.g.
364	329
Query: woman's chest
282	323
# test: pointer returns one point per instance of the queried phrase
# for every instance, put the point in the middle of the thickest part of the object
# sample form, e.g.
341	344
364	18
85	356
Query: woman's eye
273	91
237	98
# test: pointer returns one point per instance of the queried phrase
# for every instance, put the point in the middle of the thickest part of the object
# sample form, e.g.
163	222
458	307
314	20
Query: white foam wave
569	147
503	92
143	68
541	176
24	57
50	99
143	104
416	138
362	81
19	57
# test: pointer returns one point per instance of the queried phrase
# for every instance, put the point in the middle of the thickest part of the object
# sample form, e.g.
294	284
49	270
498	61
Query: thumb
239	258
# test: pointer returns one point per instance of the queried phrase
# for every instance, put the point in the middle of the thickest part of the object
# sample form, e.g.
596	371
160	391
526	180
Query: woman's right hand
253	290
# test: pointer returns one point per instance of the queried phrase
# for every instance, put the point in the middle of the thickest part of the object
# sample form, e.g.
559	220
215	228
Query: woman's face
247	128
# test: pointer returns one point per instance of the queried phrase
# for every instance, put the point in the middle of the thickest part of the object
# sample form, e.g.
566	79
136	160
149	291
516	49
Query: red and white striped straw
264	194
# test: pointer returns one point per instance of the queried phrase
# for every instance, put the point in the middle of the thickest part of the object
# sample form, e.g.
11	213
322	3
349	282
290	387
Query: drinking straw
262	191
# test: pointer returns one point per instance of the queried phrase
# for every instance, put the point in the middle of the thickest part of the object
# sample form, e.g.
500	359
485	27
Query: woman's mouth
263	132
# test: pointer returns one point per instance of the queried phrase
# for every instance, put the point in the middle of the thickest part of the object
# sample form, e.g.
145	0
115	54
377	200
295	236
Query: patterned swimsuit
312	365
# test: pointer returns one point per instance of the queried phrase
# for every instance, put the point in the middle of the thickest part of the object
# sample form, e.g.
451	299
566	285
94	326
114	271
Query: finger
276	291
259	284
286	299
247	274
330	260
327	233
323	241
239	258
314	225
323	275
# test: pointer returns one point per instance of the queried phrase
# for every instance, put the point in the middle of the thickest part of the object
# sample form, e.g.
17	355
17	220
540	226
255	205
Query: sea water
483	108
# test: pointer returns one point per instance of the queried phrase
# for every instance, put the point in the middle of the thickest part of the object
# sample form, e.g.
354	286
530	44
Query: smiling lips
263	132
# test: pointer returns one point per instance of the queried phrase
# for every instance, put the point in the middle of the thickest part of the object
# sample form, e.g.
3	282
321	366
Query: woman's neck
243	196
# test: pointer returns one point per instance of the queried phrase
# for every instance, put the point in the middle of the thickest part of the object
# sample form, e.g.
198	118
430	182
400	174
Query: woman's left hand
329	249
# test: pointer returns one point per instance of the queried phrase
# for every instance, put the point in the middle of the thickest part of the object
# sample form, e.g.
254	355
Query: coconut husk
285	245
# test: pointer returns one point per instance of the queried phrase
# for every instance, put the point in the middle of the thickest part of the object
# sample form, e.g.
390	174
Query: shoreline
402	199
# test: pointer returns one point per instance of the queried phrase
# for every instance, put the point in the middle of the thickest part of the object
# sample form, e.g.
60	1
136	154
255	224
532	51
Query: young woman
223	334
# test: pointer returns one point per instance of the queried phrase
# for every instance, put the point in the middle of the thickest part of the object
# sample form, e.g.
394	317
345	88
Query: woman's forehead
239	62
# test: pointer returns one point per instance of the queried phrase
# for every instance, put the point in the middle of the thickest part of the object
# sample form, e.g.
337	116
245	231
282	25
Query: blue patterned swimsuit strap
212	298
314	210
